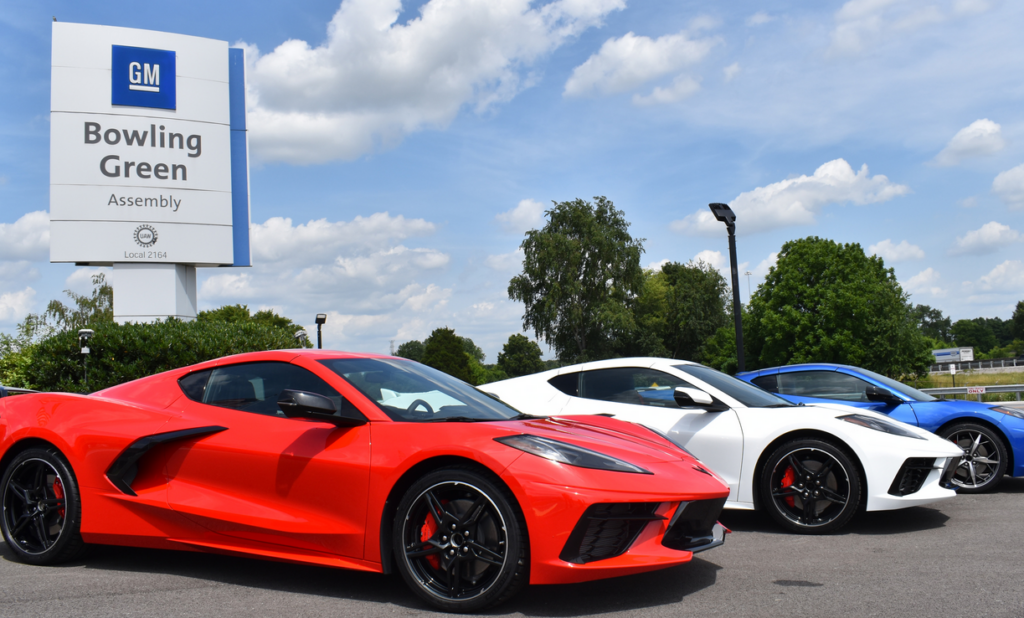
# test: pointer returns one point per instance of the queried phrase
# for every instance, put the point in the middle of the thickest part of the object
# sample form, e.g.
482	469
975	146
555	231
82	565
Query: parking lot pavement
964	557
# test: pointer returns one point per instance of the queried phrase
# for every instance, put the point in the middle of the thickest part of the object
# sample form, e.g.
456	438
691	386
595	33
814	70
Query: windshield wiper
457	419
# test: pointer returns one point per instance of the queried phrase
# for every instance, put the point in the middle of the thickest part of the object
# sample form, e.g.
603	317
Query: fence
996	389
995	363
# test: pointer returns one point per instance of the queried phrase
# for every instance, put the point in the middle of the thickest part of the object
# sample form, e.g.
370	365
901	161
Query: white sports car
809	466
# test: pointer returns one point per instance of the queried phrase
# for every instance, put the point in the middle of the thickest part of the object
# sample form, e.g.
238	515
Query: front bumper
590	524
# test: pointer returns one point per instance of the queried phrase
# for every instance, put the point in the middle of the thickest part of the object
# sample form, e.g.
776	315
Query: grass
969	378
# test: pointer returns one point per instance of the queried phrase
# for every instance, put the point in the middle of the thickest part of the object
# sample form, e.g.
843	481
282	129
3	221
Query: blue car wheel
984	461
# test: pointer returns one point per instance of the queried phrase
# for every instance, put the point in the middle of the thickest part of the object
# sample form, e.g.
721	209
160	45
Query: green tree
85	311
697	304
444	351
932	323
413	350
472	349
976	333
829	302
1017	321
579	272
520	356
235	314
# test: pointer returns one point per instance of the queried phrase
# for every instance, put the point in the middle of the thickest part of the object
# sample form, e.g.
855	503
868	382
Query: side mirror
303	404
876	393
695	398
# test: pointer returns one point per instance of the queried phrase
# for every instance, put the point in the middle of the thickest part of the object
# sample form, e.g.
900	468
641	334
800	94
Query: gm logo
142	77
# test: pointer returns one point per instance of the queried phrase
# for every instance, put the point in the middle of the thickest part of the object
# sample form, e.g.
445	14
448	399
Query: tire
42	508
810	486
985	457
460	541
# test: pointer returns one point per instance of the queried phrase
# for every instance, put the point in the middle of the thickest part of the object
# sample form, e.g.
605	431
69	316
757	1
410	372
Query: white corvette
809	466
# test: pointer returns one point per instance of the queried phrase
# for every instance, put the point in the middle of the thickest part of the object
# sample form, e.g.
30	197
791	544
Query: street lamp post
725	214
321	319
84	335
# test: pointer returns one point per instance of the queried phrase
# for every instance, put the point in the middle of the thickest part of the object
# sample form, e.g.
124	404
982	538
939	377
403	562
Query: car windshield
899	387
743	392
409	391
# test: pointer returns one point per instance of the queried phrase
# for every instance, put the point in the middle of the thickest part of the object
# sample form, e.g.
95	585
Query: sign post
148	162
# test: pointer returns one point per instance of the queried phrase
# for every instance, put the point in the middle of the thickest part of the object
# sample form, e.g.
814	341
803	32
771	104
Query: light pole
748	273
84	335
321	319
725	214
301	337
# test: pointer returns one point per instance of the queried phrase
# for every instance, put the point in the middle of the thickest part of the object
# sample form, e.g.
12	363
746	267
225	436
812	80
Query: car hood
626	441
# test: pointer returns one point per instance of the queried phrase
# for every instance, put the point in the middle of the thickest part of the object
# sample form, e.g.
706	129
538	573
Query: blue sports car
991	436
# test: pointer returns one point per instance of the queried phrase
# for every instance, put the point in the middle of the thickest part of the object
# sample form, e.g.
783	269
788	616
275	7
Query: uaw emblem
145	236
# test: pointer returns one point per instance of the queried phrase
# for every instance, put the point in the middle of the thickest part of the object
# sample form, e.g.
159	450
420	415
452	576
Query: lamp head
723	213
85	334
321	318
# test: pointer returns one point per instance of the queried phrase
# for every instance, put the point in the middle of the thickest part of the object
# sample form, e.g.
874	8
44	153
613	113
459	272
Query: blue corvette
991	436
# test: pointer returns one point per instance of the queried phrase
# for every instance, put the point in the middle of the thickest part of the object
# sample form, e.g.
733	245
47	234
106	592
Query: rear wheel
42	509
460	542
810	486
984	461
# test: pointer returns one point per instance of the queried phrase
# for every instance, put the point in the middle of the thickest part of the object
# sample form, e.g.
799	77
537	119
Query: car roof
798	367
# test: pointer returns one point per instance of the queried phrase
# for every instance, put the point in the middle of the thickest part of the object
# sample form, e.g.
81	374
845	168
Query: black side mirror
303	404
876	393
696	398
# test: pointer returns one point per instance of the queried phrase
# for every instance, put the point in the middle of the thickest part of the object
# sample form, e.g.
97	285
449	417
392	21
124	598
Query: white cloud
731	71
80	280
277	239
796	201
657	266
761	271
681	88
989	238
968	202
630	61
925	282
1009	186
860	25
14	306
759	18
896	253
528	215
506	261
21	270
374	80
28	238
981	137
714	258
1007	278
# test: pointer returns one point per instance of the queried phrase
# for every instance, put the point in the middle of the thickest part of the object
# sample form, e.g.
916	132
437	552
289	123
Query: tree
444	351
697	304
86	311
932	323
578	271
520	356
413	350
237	314
1017	321
472	349
976	333
829	302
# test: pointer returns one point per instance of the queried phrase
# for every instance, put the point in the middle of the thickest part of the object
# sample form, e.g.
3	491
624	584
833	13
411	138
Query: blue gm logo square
142	77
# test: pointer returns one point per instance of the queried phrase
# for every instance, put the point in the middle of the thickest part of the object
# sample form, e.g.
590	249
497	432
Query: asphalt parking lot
962	558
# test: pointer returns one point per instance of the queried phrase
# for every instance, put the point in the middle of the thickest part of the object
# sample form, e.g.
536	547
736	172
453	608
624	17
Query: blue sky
400	150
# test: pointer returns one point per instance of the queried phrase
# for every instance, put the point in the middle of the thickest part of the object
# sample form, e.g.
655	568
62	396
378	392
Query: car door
646	396
820	386
266	477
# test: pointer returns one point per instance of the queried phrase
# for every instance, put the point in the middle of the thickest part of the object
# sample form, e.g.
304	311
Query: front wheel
810	486
42	510
460	542
984	460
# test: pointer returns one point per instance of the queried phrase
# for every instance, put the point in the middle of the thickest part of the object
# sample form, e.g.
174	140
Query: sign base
152	292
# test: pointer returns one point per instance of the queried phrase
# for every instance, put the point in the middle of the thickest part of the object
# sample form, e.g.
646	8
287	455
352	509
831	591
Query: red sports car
355	461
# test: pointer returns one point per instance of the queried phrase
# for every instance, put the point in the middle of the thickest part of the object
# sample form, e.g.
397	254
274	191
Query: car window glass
194	384
635	385
568	383
255	387
823	384
743	392
768	383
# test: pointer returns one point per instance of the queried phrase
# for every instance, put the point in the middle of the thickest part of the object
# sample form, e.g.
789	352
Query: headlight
1010	411
879	425
569	454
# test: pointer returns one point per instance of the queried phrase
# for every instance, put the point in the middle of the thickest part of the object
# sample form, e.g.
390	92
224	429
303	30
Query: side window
194	384
768	383
568	383
823	384
634	385
255	387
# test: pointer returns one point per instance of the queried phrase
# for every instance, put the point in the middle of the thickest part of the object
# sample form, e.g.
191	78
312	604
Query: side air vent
122	472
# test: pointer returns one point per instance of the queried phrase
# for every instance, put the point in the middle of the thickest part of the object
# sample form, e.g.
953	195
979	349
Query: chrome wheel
810	486
34	506
984	460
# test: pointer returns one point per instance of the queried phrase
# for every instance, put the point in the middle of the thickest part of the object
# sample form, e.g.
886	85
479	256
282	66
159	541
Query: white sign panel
141	143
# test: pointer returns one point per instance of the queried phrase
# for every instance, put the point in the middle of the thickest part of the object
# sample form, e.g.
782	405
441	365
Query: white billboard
148	154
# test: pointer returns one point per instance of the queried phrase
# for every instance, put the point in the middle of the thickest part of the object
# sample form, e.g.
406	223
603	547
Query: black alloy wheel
460	541
984	460
810	486
42	511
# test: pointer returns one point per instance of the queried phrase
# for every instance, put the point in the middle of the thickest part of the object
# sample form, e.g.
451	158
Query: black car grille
691	526
607	530
911	476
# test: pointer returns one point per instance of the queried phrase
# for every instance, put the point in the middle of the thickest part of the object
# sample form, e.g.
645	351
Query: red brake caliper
58	492
787	481
430	526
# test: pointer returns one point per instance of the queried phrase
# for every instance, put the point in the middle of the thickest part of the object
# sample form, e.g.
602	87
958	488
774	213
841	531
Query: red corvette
355	461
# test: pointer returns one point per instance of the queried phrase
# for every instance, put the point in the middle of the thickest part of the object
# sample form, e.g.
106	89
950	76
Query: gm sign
142	77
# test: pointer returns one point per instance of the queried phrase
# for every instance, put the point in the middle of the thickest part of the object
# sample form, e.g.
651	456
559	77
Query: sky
400	150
